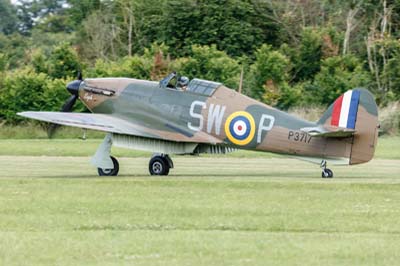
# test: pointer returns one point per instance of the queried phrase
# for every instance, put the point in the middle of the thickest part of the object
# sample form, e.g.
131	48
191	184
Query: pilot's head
183	81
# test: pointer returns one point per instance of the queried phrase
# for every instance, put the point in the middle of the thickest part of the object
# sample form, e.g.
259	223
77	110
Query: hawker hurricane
190	117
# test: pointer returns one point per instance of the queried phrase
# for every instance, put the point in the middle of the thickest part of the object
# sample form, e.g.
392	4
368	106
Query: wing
328	132
109	123
100	122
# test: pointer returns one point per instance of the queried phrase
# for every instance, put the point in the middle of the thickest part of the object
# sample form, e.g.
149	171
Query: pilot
183	82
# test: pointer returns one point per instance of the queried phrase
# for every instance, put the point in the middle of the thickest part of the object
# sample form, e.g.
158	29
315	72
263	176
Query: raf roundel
240	128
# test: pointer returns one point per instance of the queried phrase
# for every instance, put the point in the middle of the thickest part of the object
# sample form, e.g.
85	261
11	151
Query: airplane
190	117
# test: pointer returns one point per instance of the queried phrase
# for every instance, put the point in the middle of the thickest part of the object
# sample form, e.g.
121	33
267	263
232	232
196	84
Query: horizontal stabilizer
329	132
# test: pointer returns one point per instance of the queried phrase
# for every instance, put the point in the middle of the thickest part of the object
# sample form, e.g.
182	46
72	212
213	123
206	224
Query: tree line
293	53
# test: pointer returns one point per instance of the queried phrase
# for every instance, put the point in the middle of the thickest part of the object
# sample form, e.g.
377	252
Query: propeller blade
67	108
79	77
73	88
51	130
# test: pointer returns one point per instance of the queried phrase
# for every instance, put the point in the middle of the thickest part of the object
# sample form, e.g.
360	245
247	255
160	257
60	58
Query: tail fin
356	109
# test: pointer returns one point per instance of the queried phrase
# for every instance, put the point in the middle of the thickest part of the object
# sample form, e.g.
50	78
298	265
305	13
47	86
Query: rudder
356	109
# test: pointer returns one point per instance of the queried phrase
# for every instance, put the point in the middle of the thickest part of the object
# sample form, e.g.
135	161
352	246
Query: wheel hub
157	167
107	171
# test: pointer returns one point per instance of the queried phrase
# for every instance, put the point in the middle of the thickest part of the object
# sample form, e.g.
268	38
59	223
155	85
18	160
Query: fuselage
235	119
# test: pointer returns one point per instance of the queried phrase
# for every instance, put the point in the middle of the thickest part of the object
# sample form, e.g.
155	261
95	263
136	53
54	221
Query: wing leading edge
100	122
109	123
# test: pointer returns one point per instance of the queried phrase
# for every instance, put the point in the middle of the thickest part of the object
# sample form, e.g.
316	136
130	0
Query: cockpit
182	83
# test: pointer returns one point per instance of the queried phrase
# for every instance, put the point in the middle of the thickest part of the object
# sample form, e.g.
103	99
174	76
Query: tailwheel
326	173
160	165
110	172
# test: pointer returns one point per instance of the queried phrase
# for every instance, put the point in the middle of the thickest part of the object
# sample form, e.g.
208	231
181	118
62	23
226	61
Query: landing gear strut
105	163
160	164
326	173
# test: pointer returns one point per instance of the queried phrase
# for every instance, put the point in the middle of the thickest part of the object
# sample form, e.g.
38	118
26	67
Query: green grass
226	211
388	148
242	209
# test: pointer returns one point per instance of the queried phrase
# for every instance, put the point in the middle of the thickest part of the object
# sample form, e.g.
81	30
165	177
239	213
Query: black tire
330	173
327	173
110	172
158	165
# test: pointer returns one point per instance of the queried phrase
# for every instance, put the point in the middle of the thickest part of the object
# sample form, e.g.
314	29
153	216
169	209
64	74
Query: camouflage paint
174	115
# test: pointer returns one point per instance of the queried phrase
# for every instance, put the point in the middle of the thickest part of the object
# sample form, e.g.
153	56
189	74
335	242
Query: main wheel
110	172
330	173
327	173
159	165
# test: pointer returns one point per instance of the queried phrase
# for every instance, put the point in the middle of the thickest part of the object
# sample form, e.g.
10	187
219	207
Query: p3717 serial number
299	136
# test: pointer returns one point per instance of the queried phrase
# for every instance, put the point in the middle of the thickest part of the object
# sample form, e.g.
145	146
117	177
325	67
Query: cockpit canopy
203	87
182	83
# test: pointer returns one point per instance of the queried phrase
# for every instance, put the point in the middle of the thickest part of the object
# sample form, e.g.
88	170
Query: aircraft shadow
211	175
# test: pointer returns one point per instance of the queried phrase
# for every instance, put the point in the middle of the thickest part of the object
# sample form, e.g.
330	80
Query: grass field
241	209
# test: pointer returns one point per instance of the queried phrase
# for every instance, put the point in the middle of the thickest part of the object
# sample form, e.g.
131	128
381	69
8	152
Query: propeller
73	88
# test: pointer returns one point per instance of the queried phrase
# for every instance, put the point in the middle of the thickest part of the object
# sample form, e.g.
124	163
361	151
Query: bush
26	90
307	113
154	65
39	61
3	62
308	61
207	62
338	74
63	62
289	96
129	67
22	91
389	118
268	74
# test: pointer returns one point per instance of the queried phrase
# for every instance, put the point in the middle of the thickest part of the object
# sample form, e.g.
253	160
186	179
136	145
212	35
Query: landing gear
326	173
110	171
160	164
